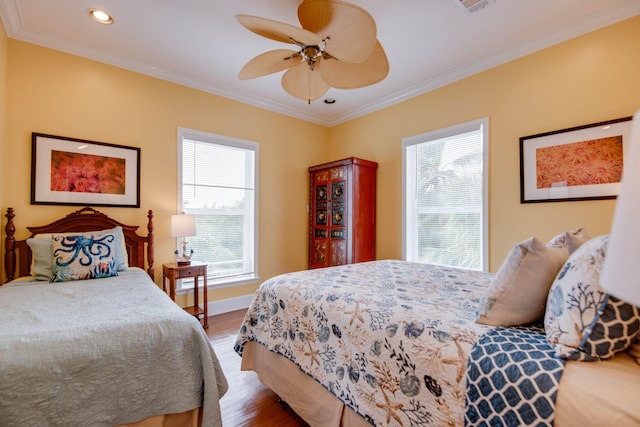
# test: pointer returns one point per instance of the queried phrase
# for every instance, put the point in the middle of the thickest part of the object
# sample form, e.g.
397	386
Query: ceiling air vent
474	5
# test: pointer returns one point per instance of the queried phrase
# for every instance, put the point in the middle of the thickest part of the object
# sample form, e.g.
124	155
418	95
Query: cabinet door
329	219
339	209
319	254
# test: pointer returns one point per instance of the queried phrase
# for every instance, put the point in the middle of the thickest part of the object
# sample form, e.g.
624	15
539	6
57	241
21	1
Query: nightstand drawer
189	272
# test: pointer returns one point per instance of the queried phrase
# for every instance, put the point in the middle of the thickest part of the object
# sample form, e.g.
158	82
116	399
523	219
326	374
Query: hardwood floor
248	402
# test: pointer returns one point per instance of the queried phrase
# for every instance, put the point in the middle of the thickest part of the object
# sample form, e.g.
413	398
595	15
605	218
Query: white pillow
572	239
41	255
518	292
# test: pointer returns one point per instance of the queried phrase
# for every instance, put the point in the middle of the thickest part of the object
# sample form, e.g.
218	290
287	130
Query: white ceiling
199	43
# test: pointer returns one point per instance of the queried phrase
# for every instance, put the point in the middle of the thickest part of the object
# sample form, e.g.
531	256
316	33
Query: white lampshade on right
621	271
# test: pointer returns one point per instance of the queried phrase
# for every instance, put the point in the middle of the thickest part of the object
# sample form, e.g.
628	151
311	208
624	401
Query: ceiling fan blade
277	30
351	29
346	75
268	63
303	83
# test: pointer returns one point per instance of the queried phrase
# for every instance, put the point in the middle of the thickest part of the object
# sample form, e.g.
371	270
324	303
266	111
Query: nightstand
172	271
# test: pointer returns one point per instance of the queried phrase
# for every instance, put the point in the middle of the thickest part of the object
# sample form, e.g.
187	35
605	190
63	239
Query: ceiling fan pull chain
309	87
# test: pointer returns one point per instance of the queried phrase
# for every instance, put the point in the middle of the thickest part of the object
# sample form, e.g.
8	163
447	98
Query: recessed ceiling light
329	101
100	16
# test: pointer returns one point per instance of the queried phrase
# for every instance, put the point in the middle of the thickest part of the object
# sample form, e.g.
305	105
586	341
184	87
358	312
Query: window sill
224	282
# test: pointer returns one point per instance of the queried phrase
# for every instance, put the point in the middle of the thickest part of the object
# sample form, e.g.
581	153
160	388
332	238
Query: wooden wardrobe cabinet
342	212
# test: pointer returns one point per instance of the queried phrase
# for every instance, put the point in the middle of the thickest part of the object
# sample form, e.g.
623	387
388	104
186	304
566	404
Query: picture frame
578	163
79	172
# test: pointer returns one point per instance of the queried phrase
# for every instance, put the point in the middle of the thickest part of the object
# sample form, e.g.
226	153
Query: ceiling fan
336	47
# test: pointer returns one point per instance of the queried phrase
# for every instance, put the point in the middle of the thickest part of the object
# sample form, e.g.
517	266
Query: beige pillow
41	256
570	239
517	294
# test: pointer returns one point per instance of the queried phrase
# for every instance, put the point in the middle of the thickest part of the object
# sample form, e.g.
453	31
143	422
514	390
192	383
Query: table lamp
182	226
620	273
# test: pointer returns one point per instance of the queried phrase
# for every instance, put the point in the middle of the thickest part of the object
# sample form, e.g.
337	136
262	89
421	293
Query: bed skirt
192	418
297	389
591	393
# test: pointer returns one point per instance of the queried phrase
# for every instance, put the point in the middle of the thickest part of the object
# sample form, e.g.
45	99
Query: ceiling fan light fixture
100	16
336	47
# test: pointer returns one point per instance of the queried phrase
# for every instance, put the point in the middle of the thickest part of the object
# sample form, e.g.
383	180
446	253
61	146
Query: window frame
474	125
213	282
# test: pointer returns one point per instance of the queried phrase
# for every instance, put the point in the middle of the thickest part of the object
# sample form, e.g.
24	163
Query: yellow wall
588	79
60	94
585	80
3	101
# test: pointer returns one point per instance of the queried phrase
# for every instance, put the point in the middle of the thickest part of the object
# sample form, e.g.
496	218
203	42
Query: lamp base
183	259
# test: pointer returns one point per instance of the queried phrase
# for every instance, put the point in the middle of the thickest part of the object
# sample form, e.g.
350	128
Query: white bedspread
102	352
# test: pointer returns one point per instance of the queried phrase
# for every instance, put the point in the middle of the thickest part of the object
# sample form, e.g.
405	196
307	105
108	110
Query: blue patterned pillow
582	321
84	256
121	254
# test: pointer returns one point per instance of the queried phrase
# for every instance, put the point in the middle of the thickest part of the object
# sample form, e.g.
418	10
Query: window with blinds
218	186
445	196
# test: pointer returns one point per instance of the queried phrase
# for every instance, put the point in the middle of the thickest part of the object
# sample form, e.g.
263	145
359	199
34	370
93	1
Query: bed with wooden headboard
18	253
87	337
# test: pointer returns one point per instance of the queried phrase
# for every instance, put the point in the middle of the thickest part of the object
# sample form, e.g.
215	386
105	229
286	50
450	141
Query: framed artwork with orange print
579	163
71	171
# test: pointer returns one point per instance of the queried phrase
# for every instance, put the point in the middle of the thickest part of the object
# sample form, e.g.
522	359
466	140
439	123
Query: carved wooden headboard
17	252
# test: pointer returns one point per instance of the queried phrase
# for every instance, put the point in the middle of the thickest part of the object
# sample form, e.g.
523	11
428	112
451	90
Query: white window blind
218	186
445	197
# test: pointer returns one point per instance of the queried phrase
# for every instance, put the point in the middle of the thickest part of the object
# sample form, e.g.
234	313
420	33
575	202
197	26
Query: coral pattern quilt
389	338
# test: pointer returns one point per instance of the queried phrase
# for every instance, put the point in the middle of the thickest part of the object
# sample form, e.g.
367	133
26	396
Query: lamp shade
183	225
621	273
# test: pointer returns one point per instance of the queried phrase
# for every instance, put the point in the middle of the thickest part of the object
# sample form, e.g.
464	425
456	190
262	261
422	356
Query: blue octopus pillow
121	254
84	256
582	321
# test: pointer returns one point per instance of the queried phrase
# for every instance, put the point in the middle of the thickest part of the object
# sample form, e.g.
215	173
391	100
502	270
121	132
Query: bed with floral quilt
397	343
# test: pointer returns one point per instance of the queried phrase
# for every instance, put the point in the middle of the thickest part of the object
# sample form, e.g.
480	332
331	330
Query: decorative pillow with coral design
582	321
83	256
